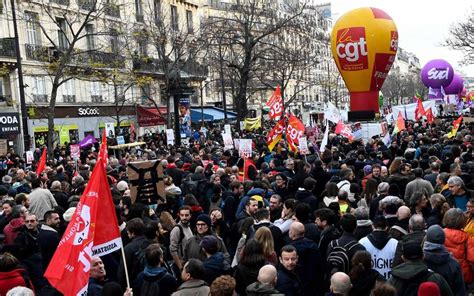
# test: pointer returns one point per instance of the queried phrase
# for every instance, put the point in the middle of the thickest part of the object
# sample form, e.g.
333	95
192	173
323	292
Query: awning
149	117
210	114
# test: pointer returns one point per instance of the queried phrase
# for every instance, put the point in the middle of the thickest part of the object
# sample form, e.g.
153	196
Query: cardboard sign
29	157
228	143
120	140
146	181
227	129
109	129
75	151
245	148
169	136
303	146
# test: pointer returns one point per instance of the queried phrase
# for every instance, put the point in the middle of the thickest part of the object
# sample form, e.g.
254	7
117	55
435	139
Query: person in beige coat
192	285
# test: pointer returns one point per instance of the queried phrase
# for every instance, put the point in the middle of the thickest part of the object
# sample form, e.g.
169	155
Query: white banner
228	143
408	110
29	157
303	146
227	129
245	148
170	136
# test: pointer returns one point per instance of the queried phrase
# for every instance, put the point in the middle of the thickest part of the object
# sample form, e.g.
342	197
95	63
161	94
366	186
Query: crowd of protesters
359	218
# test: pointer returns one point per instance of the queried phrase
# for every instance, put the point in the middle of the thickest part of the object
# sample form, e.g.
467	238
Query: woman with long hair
439	206
370	192
363	277
251	260
419	204
264	236
330	194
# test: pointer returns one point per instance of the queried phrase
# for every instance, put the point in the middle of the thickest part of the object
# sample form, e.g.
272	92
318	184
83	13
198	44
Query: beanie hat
412	251
435	234
429	289
122	186
204	218
367	169
210	244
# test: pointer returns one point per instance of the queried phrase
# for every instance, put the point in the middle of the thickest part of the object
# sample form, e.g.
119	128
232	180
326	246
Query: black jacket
310	267
327	235
288	282
308	198
413	237
130	249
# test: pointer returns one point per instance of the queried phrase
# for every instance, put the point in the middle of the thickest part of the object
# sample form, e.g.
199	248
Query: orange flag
429	116
42	162
93	231
400	125
276	104
420	109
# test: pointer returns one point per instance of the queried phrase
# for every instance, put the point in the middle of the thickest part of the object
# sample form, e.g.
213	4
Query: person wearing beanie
364	225
428	289
413	272
215	264
193	248
438	259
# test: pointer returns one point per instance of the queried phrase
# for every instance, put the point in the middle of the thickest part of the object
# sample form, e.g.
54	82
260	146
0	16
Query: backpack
140	259
151	286
410	287
338	259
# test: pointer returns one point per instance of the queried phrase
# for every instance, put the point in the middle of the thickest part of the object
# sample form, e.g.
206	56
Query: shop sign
88	111
9	124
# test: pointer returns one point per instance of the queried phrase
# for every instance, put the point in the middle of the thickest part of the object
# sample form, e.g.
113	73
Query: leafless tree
461	37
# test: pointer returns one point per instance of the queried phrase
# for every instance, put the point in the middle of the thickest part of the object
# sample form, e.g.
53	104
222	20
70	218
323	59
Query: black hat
412	251
209	243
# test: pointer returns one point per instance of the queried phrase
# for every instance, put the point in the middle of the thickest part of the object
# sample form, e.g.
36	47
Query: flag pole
125	266
243	176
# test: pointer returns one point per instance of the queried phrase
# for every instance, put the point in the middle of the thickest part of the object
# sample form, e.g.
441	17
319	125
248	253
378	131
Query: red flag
275	134
88	234
42	162
276	104
294	131
420	109
103	152
429	116
339	127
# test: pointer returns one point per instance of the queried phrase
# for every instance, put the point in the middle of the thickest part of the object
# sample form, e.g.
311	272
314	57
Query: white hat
122	186
68	214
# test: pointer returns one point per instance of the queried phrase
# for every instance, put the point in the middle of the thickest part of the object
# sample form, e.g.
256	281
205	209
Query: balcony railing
108	59
7	47
40	98
60	2
146	64
69	98
37	52
112	10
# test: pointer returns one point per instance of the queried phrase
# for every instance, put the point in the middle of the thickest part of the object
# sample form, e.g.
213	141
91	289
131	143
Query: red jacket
461	245
12	279
12	229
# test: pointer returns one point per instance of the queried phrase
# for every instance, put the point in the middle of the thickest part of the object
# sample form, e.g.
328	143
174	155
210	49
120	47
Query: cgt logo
351	49
394	41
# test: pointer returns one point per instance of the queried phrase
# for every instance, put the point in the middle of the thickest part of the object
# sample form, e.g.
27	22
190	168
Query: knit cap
435	234
429	289
204	218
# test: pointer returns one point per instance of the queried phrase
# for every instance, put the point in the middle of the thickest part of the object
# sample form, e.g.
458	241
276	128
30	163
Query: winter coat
308	198
192	288
288	282
413	237
469	228
166	281
259	289
364	228
365	282
310	266
130	249
410	270
244	276
48	240
438	259
461	245
193	249
12	229
382	249
215	266
14	278
327	235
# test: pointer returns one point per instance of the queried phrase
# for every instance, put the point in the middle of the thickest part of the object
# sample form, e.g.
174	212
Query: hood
303	194
17	223
364	223
154	271
10	275
379	238
409	270
329	199
435	253
196	209
302	244
255	191
456	237
216	261
260	289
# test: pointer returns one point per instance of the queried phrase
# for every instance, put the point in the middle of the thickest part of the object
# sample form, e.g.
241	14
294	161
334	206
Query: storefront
9	130
73	123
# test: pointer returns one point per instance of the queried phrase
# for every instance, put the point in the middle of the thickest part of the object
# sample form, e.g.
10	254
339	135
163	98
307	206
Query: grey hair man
416	227
459	193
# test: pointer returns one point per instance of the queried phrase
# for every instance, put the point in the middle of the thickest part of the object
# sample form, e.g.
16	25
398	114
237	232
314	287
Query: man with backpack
341	250
154	279
409	275
178	234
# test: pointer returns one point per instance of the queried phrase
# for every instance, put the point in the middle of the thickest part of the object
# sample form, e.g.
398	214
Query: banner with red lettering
294	131
276	104
344	130
275	134
93	231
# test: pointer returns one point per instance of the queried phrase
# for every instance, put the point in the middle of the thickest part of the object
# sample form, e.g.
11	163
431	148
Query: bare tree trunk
52	105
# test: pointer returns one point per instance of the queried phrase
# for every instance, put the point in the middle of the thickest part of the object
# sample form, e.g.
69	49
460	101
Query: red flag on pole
275	134
276	104
103	152
89	234
339	127
429	116
42	162
294	131
420	109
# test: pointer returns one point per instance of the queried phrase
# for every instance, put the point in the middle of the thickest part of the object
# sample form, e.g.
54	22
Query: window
39	89
90	34
96	92
139	10
68	91
174	18
157	11
32	28
62	29
142	47
189	21
114	42
146	93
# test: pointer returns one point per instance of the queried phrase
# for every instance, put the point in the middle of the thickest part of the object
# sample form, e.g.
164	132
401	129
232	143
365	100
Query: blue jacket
166	281
215	266
288	282
243	201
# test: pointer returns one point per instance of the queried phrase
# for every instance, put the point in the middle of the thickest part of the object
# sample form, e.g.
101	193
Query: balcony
87	4
40	98
60	2
37	52
112	10
146	64
100	59
69	98
7	47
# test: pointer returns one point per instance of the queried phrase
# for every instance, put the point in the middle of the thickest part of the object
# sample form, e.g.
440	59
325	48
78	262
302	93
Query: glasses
201	224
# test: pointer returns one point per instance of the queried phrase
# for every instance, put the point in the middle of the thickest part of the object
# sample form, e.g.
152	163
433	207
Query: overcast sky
422	25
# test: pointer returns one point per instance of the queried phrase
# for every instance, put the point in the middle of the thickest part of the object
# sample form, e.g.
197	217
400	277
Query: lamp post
24	118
